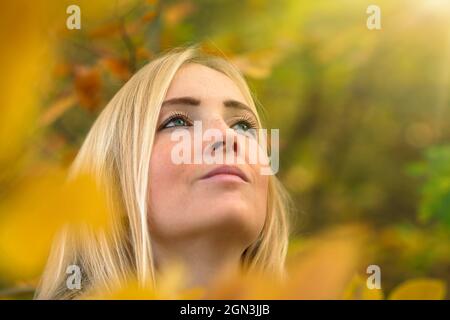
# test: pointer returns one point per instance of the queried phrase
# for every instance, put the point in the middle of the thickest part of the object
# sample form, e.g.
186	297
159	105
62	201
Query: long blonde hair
117	151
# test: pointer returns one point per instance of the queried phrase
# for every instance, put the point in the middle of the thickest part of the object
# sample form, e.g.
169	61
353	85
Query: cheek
166	181
261	196
261	184
161	168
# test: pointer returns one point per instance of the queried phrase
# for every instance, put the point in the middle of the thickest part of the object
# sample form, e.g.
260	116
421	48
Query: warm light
436	4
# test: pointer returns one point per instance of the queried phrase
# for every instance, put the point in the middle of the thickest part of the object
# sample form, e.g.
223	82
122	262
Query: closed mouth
227	170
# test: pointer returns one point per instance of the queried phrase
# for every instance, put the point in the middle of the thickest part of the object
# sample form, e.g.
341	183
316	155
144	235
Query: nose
228	140
222	144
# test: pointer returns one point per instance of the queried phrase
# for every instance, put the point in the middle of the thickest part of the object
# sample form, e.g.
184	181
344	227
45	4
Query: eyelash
174	116
250	121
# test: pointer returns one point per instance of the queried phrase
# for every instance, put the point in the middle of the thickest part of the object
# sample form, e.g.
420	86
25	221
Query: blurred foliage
363	118
435	192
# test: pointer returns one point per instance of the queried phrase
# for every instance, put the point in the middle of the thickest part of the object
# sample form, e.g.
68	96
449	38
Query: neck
203	260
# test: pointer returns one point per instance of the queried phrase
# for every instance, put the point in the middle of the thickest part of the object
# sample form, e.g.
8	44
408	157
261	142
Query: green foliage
435	191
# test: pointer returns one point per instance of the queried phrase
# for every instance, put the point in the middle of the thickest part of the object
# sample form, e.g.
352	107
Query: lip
226	171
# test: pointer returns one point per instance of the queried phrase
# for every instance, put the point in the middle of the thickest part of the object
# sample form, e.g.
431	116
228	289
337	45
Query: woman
213	218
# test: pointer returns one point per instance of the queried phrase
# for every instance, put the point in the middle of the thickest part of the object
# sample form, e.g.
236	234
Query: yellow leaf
243	286
358	290
419	289
37	209
326	265
131	291
25	58
170	285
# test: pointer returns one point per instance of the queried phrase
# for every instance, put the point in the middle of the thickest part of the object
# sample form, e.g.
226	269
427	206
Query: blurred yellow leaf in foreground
36	210
419	289
170	285
358	290
326	265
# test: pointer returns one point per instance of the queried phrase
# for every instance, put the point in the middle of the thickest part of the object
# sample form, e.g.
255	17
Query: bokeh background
364	119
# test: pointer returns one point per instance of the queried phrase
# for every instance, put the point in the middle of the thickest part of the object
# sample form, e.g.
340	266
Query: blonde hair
117	151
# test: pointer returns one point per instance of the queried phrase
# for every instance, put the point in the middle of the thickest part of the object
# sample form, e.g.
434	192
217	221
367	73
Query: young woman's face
189	200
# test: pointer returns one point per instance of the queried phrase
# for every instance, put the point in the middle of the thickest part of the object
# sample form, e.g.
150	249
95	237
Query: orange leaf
176	13
117	67
87	86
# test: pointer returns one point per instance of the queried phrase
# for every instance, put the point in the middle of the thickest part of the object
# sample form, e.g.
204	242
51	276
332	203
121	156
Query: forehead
203	83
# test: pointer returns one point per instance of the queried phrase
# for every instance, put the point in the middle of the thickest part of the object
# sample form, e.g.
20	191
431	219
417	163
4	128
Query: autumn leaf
323	269
131	290
88	86
358	290
149	16
171	284
419	289
117	67
24	42
244	286
175	13
38	208
105	30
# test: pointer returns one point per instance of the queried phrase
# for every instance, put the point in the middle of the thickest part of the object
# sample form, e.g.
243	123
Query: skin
206	224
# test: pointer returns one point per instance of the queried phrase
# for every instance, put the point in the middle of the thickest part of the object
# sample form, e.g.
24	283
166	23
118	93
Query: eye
246	127
241	126
176	120
245	123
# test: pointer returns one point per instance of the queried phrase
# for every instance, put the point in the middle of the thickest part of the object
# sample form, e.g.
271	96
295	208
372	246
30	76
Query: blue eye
241	126
176	120
245	128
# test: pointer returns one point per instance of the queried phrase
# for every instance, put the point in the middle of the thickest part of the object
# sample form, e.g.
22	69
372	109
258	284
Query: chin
237	218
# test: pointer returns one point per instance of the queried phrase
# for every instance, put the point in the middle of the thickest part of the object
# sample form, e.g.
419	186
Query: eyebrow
190	101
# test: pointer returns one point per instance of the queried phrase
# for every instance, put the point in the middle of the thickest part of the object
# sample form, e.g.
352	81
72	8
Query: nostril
217	145
235	146
222	144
